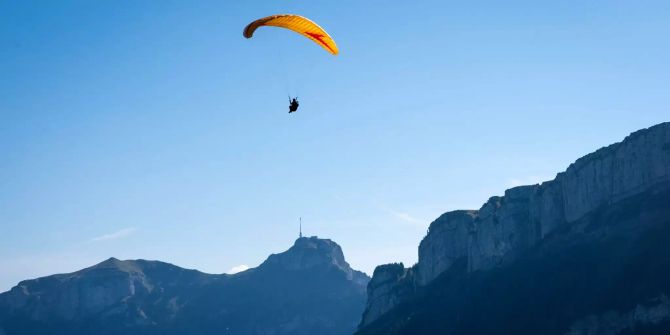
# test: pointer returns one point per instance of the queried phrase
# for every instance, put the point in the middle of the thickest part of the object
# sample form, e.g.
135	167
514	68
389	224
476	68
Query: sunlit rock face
502	229
616	172
448	240
508	226
308	289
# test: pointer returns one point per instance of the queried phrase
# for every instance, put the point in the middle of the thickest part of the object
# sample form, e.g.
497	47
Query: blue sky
153	129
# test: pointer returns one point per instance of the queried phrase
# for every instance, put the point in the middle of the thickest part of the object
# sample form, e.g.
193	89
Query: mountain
585	253
308	289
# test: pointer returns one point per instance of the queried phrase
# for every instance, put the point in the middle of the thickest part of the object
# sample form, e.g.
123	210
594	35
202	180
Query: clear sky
153	129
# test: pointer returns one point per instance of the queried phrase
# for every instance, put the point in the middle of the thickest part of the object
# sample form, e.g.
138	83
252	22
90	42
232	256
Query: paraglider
300	25
293	105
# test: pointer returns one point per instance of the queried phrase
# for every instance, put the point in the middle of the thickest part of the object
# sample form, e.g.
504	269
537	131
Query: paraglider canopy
298	24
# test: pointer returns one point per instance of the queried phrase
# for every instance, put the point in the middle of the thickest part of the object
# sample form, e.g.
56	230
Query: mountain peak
109	262
310	252
314	242
114	264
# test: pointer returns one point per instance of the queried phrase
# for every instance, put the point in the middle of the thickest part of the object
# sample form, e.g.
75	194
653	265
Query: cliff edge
506	227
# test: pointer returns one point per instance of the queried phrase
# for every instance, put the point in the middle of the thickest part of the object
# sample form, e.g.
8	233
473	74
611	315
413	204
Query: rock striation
506	226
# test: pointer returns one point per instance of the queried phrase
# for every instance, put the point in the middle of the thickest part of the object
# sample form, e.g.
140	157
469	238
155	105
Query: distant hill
309	289
587	253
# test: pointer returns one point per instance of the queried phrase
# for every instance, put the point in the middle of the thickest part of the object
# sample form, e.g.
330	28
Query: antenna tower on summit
300	235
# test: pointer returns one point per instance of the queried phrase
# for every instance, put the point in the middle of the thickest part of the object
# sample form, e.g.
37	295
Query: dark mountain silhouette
586	253
309	289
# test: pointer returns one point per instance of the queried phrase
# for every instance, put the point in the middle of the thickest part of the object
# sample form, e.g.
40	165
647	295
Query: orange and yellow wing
298	24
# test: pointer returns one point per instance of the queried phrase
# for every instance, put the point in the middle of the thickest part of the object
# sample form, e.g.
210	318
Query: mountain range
309	289
586	253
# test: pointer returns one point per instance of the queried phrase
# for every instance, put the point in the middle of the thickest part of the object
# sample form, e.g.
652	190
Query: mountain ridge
507	227
147	297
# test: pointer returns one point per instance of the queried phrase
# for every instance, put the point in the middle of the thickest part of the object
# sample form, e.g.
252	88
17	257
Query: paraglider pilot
293	106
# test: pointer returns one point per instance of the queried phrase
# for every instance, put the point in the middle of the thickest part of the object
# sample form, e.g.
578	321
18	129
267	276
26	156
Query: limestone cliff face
618	171
500	230
447	241
391	283
505	226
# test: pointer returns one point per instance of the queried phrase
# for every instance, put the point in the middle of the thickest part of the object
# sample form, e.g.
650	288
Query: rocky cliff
307	289
506	227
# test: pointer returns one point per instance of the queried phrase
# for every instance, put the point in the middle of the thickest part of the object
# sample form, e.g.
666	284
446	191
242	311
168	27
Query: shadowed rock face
506	229
308	253
108	289
308	289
